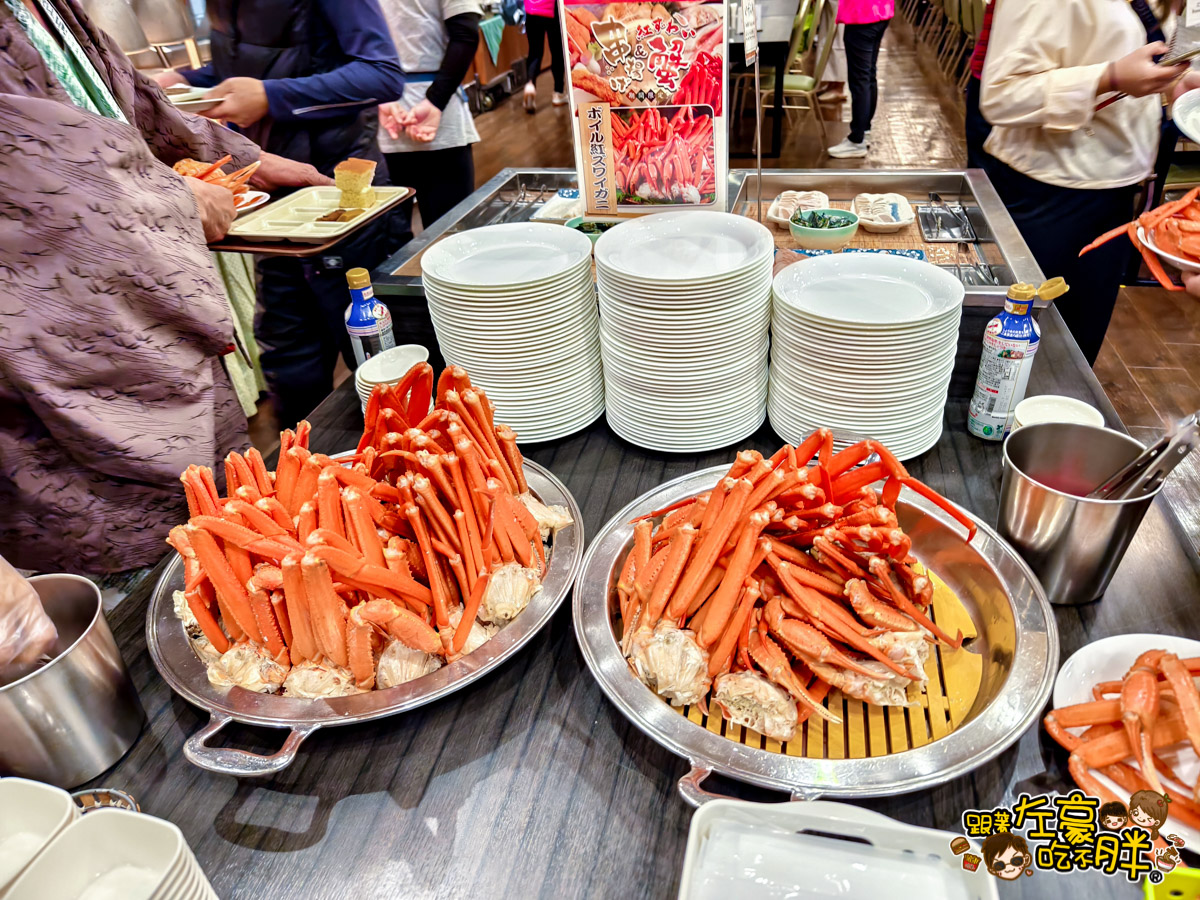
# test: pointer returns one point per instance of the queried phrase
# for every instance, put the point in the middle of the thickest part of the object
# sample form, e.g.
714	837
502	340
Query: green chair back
826	47
798	42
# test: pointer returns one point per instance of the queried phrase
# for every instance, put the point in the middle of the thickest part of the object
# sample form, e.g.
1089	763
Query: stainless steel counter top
513	195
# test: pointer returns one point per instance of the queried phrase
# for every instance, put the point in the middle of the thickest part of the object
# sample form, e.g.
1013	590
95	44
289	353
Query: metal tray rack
1018	643
182	669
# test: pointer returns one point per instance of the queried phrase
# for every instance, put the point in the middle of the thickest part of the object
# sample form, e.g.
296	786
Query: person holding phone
1068	164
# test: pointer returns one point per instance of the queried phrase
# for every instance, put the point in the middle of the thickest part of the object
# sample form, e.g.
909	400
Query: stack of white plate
515	306
387	367
113	853
863	344
685	304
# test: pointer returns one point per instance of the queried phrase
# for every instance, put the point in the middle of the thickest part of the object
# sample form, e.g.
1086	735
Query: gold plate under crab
869	730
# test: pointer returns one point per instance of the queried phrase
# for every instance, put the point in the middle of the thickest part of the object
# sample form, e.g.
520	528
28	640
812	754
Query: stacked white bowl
387	367
31	815
115	853
685	304
515	306
863	344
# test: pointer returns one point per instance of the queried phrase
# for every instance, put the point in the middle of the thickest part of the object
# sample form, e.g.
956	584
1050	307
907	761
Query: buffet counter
518	195
530	783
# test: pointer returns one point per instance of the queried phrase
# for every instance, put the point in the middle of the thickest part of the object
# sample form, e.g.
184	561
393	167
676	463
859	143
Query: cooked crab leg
327	612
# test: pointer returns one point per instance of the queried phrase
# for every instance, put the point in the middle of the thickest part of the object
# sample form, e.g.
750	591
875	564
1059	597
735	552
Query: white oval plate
1183	265
1186	113
514	253
250	200
684	245
1108	659
869	288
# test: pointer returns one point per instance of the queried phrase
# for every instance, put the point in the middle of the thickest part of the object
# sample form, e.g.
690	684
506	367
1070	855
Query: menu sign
658	73
596	124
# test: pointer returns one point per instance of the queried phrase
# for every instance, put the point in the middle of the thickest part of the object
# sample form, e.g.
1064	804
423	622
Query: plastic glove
26	632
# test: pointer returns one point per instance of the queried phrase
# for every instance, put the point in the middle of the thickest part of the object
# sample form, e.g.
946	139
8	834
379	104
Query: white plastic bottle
1009	346
367	320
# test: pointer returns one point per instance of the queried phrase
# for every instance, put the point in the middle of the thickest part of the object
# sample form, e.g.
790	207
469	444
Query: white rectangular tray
805	847
294	218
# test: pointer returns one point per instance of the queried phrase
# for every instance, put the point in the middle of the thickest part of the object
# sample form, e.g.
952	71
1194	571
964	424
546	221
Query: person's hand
215	205
26	632
169	77
1191	283
425	121
243	101
280	172
1189	82
394	118
1138	75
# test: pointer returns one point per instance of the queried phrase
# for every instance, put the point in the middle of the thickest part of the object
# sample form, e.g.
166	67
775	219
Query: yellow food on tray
785	583
354	178
331	577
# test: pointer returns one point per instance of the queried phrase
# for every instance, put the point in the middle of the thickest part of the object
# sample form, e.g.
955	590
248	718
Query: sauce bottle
367	320
1009	345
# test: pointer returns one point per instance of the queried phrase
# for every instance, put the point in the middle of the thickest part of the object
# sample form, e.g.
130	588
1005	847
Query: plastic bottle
367	320
1009	345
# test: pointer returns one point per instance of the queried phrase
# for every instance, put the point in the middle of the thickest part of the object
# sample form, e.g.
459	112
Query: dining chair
799	86
796	46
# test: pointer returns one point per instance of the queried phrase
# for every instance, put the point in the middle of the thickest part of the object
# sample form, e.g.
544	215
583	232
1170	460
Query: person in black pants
541	27
302	78
427	134
862	58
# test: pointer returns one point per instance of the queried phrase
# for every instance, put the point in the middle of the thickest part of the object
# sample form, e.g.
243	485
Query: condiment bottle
1009	345
367	320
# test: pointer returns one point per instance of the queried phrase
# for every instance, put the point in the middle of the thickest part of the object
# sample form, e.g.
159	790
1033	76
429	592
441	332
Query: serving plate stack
863	344
685	300
114	853
514	304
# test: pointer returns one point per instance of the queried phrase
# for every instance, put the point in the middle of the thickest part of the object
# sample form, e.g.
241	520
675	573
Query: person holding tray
114	320
304	77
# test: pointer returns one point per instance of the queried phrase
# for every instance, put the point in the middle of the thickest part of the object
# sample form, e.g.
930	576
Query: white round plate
1108	659
756	278
1179	262
249	200
510	254
570	279
869	288
687	245
1186	113
798	318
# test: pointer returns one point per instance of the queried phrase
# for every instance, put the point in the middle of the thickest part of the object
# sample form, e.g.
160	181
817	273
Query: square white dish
869	206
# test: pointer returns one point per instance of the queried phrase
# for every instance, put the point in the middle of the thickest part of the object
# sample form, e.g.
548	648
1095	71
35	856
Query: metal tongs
1146	473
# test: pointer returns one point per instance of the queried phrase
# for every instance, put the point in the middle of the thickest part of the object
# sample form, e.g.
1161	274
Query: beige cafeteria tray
294	218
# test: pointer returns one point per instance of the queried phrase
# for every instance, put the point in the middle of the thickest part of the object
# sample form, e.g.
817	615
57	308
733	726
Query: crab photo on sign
660	70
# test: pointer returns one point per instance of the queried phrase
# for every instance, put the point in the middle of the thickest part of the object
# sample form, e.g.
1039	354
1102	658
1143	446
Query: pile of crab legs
315	561
781	560
1176	229
212	173
1155	705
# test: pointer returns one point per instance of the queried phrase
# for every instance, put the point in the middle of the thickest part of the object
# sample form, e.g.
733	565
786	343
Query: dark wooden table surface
529	783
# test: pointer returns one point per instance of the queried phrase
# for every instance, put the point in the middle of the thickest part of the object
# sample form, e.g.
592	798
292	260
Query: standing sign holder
750	36
649	103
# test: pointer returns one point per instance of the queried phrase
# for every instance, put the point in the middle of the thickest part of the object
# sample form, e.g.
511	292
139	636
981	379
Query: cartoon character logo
1006	855
1113	816
1148	809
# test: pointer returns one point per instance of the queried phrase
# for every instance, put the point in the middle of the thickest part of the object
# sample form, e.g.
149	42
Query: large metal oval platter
1018	642
182	669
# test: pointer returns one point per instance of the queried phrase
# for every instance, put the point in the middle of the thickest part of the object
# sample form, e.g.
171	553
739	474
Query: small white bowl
31	815
1056	408
390	365
99	843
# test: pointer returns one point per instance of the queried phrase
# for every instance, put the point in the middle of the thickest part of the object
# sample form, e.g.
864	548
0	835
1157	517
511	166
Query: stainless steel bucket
1074	545
77	715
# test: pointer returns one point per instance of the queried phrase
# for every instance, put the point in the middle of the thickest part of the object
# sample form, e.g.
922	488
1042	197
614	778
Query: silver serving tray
182	669
1018	639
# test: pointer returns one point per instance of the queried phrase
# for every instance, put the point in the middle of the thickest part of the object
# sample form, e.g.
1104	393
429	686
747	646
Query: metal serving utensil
1146	473
965	231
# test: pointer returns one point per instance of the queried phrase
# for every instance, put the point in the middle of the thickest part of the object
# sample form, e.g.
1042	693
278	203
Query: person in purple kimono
113	320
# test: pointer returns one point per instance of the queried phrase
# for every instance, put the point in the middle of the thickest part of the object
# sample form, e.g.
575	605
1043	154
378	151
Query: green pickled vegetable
816	219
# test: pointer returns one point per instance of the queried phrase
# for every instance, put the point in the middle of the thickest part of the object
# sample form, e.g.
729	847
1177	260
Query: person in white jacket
1069	168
